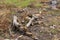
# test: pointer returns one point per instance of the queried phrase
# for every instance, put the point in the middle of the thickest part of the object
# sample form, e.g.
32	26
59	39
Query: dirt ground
45	27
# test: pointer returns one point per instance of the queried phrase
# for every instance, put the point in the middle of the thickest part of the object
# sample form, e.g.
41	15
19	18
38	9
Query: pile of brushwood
29	23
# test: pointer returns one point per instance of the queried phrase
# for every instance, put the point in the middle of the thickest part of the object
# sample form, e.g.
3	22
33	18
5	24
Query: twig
18	37
28	24
10	32
15	21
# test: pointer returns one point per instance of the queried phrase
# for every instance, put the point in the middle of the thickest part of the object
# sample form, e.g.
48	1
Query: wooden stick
30	21
15	21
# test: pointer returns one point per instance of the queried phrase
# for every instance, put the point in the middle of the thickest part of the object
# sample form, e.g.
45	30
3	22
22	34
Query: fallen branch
28	24
15	21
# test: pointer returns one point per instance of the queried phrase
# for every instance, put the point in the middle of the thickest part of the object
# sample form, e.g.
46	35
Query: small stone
52	27
37	15
39	22
40	12
42	17
28	18
50	34
36	38
42	27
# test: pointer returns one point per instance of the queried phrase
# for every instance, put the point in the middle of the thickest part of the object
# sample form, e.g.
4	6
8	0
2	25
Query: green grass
38	4
20	3
54	31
